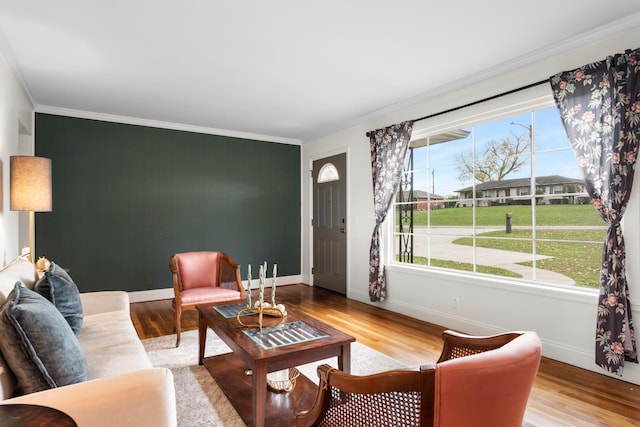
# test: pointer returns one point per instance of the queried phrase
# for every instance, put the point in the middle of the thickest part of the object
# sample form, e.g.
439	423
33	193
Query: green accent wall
126	197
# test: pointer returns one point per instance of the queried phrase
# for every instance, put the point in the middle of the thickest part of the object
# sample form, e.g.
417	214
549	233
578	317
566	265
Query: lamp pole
529	129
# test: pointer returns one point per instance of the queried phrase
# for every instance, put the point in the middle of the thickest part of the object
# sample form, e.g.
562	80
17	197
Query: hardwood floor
562	394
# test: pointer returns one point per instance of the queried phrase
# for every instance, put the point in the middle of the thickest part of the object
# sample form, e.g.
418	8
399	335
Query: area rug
199	400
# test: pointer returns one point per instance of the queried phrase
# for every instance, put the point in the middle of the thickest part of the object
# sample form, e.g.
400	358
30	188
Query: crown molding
615	28
47	109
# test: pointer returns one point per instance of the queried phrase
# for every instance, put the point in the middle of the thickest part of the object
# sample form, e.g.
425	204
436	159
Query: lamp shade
30	184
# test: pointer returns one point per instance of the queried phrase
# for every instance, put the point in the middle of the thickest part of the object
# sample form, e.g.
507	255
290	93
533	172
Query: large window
499	195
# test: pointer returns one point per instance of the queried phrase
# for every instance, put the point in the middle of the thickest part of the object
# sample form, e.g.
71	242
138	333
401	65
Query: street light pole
528	128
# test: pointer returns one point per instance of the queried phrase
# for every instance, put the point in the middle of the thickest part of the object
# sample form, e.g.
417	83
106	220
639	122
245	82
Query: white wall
564	318
16	137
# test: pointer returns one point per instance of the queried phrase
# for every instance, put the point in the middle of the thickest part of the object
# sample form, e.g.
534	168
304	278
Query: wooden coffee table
248	393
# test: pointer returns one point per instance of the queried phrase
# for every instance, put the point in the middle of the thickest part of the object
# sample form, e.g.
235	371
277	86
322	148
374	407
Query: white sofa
122	388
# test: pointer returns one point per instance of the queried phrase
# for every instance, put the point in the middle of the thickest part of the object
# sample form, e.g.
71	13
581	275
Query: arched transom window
328	173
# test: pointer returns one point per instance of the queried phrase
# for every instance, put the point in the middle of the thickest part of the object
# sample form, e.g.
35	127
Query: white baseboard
167	293
151	295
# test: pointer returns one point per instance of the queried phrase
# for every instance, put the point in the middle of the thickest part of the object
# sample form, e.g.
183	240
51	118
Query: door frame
312	159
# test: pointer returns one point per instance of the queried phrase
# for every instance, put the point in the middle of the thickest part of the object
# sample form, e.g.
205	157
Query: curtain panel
599	104
388	152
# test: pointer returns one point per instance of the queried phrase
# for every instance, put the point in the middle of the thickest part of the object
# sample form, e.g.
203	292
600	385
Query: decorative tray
231	310
284	334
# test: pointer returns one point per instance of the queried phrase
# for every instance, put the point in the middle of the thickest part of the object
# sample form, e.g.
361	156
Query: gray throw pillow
58	287
38	344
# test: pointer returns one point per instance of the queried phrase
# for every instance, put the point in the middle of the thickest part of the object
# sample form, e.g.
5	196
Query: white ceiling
283	70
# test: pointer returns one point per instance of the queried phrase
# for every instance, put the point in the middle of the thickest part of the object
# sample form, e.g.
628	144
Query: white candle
249	287
273	285
261	286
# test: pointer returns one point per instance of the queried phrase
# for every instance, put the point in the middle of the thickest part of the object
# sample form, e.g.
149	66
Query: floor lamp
30	189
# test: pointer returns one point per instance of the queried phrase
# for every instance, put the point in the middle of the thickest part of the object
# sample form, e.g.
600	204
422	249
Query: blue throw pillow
38	344
58	287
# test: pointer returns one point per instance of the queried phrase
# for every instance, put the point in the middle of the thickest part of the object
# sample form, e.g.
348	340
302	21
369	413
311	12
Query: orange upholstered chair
477	381
201	278
485	378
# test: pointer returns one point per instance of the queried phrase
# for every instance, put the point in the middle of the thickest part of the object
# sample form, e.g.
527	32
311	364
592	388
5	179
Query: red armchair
201	278
476	381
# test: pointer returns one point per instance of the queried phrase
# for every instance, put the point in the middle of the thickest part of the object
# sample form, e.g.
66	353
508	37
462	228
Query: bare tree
497	159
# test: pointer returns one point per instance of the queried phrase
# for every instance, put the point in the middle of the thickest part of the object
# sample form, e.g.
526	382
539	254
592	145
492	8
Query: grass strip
577	260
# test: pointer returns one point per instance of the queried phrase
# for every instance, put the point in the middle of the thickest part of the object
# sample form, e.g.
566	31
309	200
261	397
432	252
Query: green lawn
576	253
578	260
577	215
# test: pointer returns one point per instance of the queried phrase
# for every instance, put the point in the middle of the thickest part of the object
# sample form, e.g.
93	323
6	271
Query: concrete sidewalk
442	247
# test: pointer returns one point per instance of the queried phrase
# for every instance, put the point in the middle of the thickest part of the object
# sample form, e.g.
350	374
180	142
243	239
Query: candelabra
261	307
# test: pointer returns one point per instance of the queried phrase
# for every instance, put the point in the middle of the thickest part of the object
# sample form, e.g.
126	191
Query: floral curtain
388	151
600	108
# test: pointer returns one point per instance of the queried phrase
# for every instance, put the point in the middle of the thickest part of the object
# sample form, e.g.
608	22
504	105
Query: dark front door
329	223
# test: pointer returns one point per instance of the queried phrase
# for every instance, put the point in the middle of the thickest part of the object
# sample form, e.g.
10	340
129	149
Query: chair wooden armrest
342	396
312	416
458	345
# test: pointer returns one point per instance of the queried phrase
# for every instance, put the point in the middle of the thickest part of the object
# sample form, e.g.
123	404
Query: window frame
525	101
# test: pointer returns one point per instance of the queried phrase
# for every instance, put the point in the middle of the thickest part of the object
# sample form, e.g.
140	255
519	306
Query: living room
564	318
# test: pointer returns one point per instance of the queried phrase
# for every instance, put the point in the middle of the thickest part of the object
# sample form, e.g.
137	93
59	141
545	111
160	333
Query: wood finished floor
562	395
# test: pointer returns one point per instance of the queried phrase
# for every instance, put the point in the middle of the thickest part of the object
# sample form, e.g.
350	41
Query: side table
26	415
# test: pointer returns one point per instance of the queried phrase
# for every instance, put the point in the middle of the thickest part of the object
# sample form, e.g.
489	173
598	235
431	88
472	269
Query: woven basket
284	385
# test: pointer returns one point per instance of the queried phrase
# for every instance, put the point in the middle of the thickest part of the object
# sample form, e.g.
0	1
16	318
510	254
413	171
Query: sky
554	155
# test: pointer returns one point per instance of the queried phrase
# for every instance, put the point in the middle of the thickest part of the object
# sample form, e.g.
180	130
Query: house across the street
551	189
422	200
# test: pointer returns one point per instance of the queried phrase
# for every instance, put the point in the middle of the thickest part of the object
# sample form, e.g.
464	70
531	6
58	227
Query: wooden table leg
259	393
202	337
344	359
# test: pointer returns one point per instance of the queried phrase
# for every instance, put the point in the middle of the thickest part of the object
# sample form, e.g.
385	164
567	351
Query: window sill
576	294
